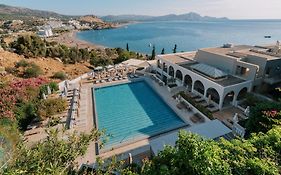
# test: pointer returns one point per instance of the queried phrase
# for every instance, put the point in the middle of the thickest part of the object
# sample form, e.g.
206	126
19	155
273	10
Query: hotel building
223	74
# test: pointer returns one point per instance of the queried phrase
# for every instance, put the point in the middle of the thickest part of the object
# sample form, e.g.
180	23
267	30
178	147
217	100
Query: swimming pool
132	111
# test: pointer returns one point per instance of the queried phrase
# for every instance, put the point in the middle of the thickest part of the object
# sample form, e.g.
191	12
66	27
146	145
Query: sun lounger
198	100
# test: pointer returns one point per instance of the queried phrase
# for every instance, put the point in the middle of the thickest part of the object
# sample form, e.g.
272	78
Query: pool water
132	111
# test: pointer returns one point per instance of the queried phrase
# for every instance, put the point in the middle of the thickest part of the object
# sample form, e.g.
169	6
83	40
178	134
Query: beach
70	39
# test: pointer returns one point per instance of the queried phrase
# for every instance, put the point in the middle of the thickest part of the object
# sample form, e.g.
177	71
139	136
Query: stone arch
242	93
171	71
188	81
199	87
179	75
228	98
213	93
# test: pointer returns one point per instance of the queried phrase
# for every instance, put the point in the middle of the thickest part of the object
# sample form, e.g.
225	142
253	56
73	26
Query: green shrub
59	75
50	107
32	71
12	70
53	86
22	63
25	113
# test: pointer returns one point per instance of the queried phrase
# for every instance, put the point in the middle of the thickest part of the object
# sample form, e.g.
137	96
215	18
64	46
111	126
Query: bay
187	35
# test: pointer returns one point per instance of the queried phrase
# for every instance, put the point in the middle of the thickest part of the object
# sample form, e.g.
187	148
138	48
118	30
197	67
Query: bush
59	75
22	63
12	70
50	107
32	72
53	86
25	113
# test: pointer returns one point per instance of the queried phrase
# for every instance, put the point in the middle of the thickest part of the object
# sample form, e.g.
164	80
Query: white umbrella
109	67
98	68
247	111
130	158
235	118
44	96
49	90
65	91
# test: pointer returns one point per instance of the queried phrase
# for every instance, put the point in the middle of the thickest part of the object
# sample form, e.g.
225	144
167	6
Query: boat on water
267	36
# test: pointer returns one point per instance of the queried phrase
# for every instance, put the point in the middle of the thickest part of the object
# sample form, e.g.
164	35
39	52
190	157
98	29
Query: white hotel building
224	74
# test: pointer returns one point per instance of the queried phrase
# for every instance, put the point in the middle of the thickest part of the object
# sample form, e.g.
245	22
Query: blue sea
188	36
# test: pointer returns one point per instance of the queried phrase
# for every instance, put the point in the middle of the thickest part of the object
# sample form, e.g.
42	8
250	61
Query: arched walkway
213	93
188	81
242	94
179	75
228	99
199	87
171	71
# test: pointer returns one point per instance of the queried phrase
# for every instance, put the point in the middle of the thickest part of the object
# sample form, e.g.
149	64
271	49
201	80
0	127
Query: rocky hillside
10	12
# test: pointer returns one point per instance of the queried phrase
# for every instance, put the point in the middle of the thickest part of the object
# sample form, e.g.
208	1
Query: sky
233	9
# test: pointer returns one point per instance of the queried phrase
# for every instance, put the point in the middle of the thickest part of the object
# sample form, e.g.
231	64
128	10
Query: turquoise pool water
131	111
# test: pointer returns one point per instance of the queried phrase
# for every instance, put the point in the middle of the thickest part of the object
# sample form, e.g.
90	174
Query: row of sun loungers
157	80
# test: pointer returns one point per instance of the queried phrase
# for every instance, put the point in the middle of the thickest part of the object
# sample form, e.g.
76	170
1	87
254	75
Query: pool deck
85	122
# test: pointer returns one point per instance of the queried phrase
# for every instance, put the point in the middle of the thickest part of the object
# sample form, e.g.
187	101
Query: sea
187	35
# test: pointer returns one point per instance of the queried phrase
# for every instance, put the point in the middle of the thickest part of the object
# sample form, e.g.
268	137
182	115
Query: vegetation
163	51
59	75
34	46
32	71
263	117
192	154
153	54
175	49
127	47
197	106
51	106
52	155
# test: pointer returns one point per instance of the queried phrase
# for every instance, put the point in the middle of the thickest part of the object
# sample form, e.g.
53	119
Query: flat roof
224	81
209	130
178	58
242	51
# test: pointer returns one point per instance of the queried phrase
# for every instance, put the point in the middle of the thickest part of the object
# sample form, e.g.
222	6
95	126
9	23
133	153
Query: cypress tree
175	49
163	51
127	47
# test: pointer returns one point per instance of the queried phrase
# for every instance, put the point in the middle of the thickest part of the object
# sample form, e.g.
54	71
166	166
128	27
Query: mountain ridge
192	16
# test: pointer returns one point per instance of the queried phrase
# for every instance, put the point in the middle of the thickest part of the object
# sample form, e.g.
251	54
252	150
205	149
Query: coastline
70	39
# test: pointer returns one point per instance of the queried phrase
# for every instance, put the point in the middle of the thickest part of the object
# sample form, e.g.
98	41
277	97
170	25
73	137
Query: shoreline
70	39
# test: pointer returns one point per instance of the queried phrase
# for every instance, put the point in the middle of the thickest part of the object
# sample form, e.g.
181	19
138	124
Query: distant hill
171	17
90	19
10	12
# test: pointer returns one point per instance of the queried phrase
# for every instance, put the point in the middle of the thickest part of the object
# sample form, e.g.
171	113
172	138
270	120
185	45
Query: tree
263	116
163	51
175	49
192	154
127	47
153	54
53	155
